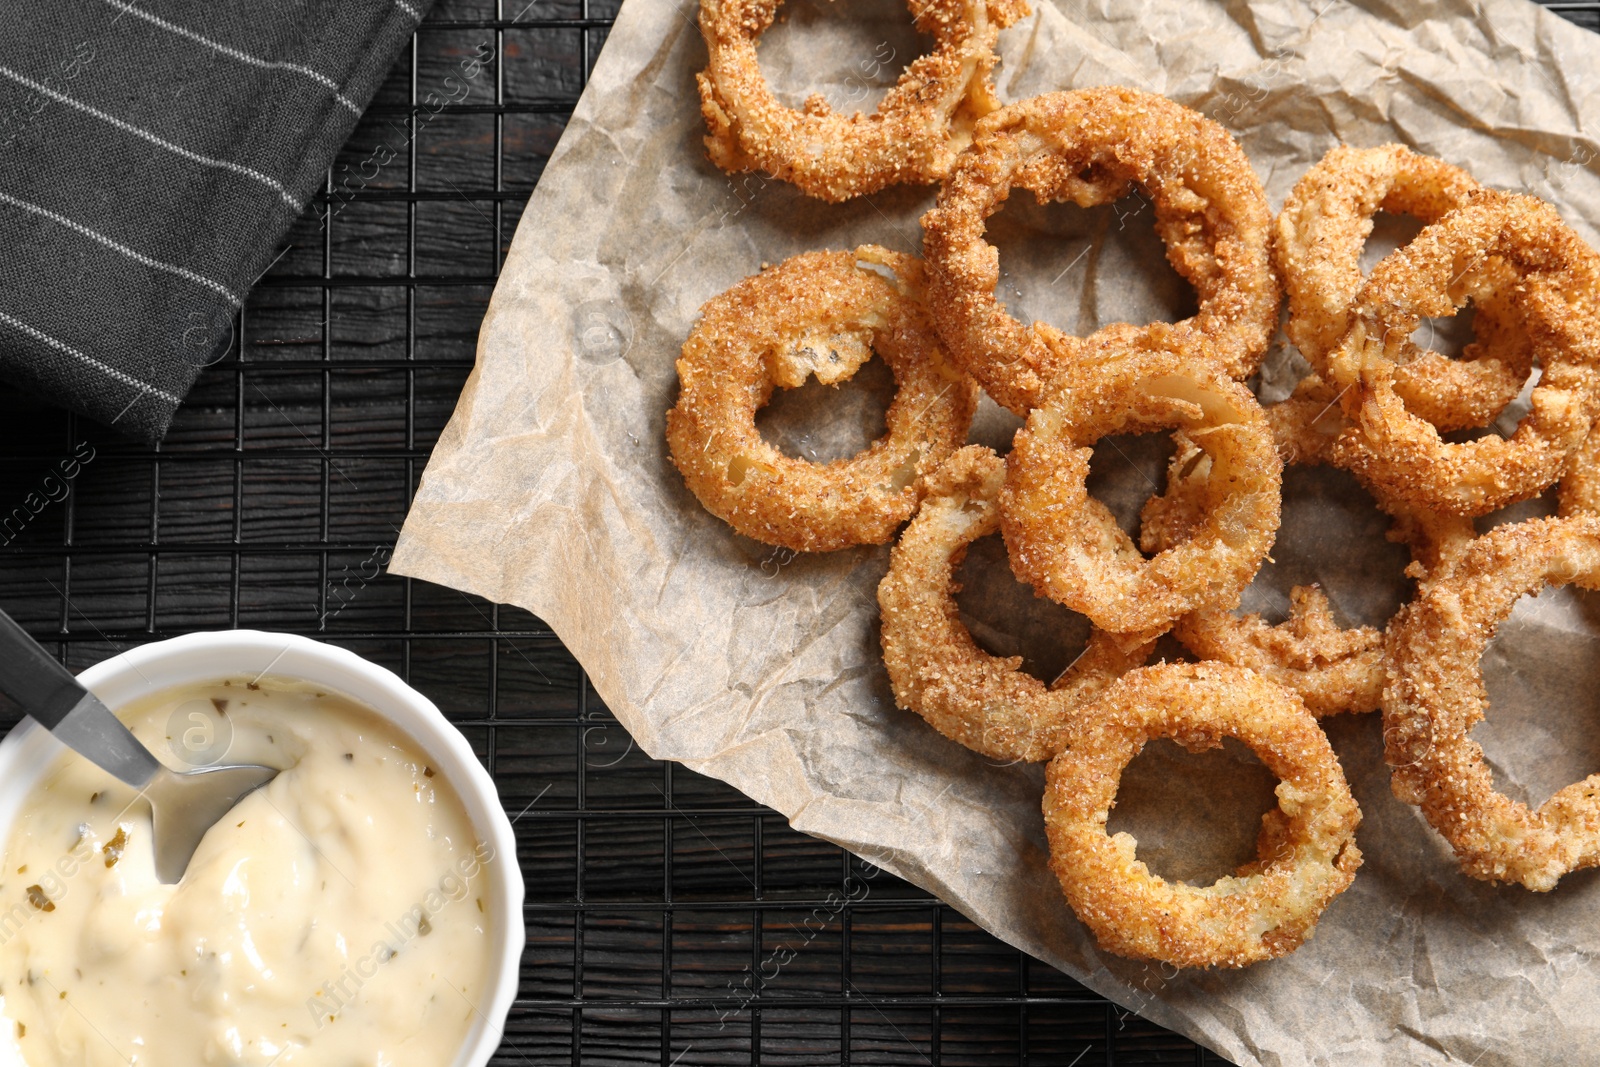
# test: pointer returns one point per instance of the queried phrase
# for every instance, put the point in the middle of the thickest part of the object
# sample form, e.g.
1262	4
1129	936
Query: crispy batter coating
822	313
1469	255
1307	850
1090	146
1310	428
1069	546
987	703
1172	517
1317	244
1579	492
1331	669
1437	696
1437	540
1307	426
912	137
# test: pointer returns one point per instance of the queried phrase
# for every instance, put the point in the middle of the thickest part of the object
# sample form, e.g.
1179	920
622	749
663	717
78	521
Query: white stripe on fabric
104	368
408	9
243	57
96	235
237	168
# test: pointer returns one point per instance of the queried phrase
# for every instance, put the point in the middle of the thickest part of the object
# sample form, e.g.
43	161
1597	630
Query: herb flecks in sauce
113	848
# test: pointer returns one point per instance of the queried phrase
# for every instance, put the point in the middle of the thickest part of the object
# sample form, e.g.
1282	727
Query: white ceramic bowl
29	750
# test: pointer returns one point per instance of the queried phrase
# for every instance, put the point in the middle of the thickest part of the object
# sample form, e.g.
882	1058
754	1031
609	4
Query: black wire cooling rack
657	898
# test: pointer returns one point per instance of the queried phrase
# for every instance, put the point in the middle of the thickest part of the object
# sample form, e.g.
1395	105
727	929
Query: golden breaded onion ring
1310	428
987	703
912	137
1330	668
1068	545
1318	238
822	313
1307	853
1468	255
1437	696
1089	146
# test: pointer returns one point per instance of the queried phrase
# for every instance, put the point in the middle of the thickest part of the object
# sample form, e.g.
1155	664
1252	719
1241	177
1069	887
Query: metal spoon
183	804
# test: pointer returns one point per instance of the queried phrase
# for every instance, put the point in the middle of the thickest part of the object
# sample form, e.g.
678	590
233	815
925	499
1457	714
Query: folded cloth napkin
153	153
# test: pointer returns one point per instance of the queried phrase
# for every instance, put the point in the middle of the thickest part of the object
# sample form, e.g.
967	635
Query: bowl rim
117	680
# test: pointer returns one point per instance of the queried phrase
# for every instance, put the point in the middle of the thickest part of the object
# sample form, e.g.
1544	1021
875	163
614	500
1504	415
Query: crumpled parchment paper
551	489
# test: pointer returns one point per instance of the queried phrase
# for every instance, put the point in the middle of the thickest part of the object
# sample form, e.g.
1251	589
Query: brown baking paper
551	489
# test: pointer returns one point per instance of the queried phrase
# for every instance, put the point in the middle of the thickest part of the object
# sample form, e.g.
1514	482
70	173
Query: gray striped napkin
153	153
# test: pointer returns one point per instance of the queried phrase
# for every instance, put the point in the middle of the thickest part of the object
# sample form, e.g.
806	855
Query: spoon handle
47	691
32	677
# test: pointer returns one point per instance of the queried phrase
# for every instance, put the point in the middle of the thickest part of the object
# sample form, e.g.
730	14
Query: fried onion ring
914	134
1464	257
1310	428
1307	850
1330	668
1089	146
822	313
987	703
1437	696
1318	238
1068	546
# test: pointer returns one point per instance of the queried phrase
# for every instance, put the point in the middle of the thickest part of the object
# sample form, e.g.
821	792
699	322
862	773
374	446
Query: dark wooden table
655	896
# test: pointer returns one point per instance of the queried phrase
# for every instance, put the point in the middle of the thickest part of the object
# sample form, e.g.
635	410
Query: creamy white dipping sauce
336	918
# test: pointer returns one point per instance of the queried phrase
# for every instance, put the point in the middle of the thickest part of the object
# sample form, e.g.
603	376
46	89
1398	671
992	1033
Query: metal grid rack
656	897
